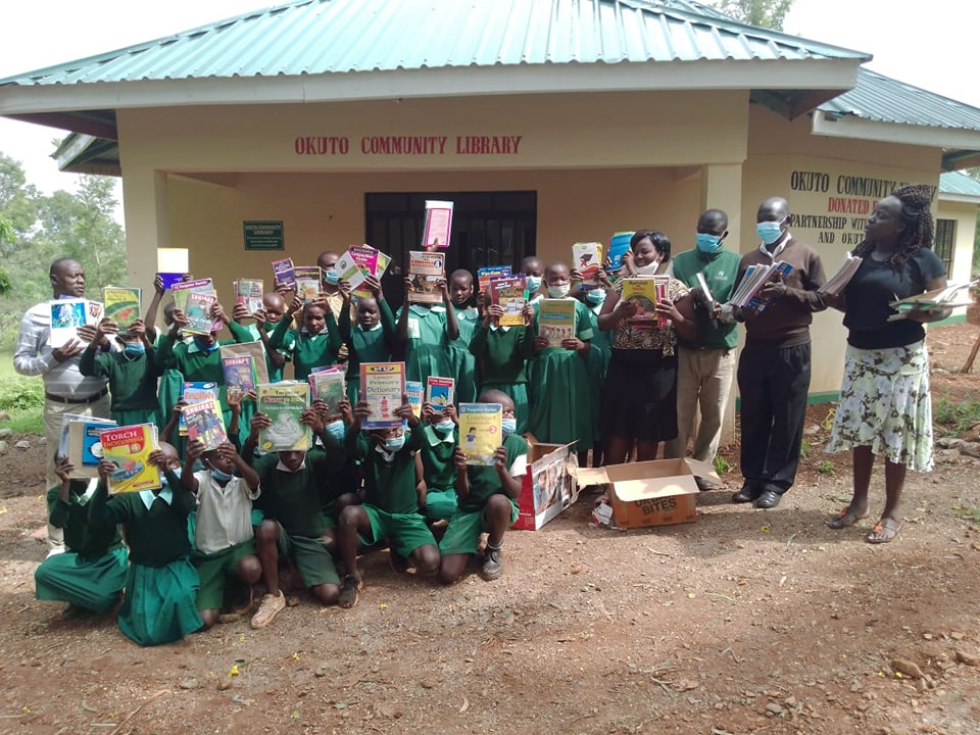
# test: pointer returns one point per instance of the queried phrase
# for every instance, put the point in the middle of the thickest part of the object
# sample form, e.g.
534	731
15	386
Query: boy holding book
372	338
461	360
266	320
224	542
162	583
435	466
424	332
293	486
92	572
487	500
132	372
391	502
316	343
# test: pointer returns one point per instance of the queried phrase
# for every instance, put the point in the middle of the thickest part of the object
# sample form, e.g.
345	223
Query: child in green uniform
533	271
162	583
266	320
599	354
424	332
92	572
391	503
224	542
293	486
371	339
561	404
461	360
132	372
503	353
434	462
487	500
317	342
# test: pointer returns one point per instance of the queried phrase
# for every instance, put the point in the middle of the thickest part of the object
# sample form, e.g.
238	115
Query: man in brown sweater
774	368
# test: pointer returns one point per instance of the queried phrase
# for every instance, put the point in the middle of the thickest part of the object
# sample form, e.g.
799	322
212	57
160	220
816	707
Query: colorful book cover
198	313
68	419
480	432
556	320
85	446
239	374
384	261
382	386
587	257
256	351
282	271
511	294
618	246
354	266
284	404
129	448
328	386
195	393
249	291
184	289
438	224
122	305
205	423
67	315
172	265
415	390
425	269
95	312
641	292
484	275
308	281
170	279
440	392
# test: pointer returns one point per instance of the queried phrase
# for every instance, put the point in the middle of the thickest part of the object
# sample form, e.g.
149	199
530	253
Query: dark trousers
773	383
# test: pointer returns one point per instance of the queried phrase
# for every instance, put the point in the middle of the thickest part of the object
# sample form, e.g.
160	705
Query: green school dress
132	383
366	345
92	571
439	472
161	588
561	400
599	353
503	353
309	350
171	383
426	349
461	360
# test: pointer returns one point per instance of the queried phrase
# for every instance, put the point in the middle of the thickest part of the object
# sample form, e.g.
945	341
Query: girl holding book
317	342
461	360
599	353
132	372
503	353
424	332
372	338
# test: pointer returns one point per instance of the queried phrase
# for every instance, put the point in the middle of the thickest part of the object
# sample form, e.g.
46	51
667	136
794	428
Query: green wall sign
264	235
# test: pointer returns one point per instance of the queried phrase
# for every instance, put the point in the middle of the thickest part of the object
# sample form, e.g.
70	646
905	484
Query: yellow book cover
284	404
641	292
129	448
480	431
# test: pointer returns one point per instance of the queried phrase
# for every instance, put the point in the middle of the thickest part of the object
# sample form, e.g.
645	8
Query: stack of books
951	297
836	285
746	296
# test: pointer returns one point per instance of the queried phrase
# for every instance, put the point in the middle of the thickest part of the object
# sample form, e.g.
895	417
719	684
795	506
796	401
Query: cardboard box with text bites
658	493
549	486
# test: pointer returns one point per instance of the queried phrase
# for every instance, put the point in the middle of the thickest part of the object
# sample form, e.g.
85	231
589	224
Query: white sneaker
270	607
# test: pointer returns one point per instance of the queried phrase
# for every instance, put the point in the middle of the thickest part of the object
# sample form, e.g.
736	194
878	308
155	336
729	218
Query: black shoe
768	499
747	494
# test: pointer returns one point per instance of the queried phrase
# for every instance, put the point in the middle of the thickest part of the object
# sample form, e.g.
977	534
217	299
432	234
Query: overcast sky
923	48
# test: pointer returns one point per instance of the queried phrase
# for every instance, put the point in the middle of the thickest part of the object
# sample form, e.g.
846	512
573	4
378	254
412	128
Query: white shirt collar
148	496
283	468
777	251
375	328
387	456
497	327
436	437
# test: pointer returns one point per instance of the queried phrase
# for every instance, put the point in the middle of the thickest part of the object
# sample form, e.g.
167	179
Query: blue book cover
195	393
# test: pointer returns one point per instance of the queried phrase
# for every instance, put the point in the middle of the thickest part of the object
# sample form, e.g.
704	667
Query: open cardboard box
549	487
642	494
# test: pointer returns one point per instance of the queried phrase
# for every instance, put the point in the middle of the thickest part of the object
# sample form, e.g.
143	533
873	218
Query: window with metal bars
945	241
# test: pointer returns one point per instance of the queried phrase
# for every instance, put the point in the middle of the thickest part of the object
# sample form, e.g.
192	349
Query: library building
320	124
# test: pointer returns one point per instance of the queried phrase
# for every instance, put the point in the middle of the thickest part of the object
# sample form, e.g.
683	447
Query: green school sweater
87	538
309	350
503	353
438	467
297	499
720	270
389	486
484	481
367	346
156	536
132	378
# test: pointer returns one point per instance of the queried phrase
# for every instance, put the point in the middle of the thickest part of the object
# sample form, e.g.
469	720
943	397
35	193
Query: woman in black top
884	406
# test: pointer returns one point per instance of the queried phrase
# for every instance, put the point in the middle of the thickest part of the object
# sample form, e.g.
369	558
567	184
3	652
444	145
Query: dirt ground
746	622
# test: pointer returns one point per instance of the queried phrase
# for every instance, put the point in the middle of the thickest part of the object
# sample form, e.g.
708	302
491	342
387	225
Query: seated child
162	583
487	499
92	572
132	372
391	503
435	460
293	487
224	542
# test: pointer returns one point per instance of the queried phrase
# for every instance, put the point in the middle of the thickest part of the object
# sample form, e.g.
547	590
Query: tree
6	236
761	13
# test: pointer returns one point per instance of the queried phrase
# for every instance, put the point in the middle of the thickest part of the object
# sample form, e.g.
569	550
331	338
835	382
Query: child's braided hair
915	199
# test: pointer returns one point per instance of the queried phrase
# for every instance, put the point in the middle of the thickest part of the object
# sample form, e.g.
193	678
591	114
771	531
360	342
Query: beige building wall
965	216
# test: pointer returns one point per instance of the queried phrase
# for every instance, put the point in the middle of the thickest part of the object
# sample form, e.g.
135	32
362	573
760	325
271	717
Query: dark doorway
489	228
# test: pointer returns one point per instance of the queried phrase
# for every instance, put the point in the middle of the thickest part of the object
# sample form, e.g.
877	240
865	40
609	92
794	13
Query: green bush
17	394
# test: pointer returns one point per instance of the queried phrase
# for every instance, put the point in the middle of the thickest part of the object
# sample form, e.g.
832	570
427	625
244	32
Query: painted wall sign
264	235
409	145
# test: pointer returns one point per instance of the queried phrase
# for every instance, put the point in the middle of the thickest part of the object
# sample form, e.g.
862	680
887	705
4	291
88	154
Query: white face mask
650	269
559	292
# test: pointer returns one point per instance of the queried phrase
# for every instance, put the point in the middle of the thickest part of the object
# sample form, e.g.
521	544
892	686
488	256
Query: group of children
233	517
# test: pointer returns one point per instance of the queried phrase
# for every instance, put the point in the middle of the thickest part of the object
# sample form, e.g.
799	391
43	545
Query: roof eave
850	126
816	74
959	198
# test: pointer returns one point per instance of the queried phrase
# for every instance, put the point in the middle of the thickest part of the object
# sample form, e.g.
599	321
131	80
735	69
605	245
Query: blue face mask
220	476
204	347
508	426
332	277
707	243
595	296
533	283
769	232
135	348
445	426
337	429
394	443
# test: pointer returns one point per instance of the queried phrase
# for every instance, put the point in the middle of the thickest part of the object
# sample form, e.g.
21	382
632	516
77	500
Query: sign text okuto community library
409	145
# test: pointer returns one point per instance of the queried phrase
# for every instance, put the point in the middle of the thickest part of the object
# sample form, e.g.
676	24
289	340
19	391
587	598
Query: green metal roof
309	37
958	184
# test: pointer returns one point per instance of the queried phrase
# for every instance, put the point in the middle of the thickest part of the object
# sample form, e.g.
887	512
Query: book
641	292
484	275
382	386
198	313
122	305
70	418
480	431
67	315
256	351
249	292
384	261
129	448
587	257
841	278
308	280
438	224
414	390
184	289
354	266
205	423
239	372
510	293
440	392
556	320
754	280
172	265
328	386
950	297
425	269
619	245
709	298
195	393
282	273
84	449
284	404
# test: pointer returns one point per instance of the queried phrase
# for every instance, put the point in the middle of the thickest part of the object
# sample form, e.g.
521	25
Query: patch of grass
21	393
826	467
721	465
969	513
804	449
957	416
